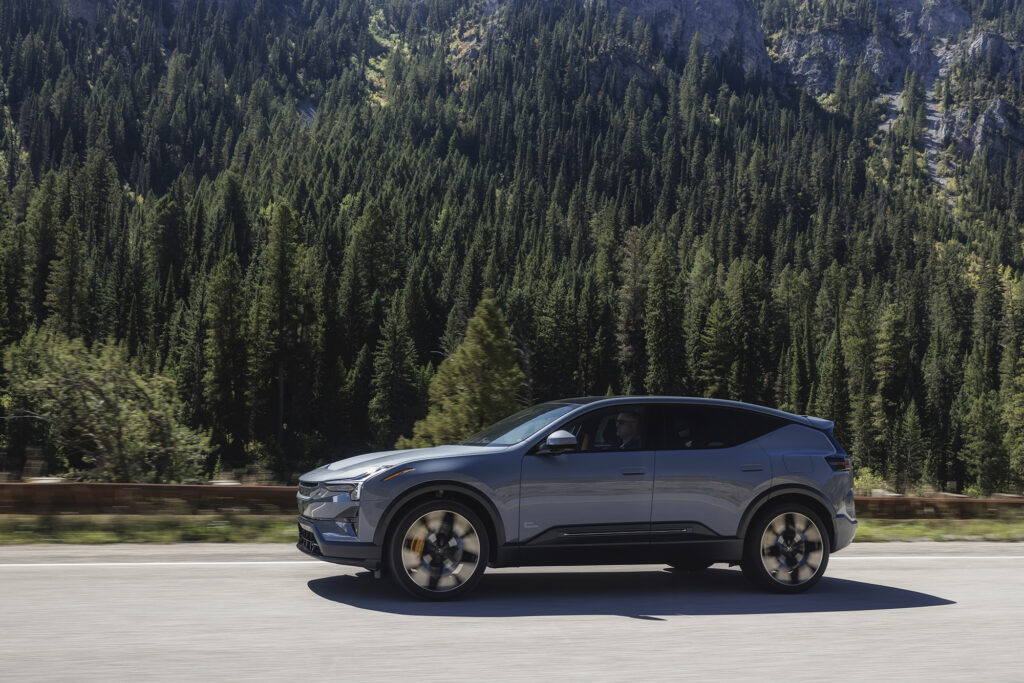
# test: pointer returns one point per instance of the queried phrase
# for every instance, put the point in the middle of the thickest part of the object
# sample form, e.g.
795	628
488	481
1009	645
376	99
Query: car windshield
522	425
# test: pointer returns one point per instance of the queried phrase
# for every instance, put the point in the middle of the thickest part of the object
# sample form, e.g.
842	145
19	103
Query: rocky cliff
930	38
725	26
920	35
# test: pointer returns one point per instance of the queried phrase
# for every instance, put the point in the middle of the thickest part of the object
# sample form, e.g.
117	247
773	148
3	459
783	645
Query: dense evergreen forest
247	233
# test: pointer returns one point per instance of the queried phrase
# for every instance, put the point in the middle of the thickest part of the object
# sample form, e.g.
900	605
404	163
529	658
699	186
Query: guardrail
133	499
901	507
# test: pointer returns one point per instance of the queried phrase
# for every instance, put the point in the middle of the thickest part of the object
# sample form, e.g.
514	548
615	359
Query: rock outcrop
730	27
992	48
926	37
918	37
997	130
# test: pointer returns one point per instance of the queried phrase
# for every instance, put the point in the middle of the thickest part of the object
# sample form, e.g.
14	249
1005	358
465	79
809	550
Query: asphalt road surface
894	611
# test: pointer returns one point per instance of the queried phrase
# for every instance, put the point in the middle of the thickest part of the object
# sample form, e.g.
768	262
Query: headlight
353	481
352	489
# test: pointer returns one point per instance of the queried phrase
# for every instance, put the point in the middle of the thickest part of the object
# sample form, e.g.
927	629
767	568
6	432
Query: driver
627	430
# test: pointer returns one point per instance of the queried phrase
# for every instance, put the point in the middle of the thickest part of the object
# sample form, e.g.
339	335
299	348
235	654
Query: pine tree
475	386
395	403
715	361
65	288
1013	416
988	311
187	358
745	296
7	257
224	380
831	400
891	368
942	372
986	458
798	381
273	323
41	227
909	450
554	361
231	229
356	393
630	330
701	290
662	320
368	270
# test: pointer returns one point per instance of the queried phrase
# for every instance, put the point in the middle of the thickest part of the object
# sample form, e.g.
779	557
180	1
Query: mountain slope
246	196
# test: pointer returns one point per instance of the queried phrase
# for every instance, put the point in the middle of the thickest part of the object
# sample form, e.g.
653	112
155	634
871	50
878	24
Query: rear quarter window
693	427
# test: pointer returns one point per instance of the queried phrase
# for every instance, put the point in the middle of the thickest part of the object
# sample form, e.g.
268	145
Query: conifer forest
249	233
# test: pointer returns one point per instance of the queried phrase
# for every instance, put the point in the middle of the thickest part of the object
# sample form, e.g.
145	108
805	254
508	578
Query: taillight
839	463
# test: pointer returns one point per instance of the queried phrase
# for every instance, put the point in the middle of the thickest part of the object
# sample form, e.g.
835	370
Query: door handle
628	472
751	468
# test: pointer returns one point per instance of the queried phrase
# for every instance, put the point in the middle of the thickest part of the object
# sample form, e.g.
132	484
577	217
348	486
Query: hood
362	466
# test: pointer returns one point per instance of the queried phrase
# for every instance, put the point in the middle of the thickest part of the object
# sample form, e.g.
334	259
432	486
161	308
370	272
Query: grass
96	529
875	530
93	529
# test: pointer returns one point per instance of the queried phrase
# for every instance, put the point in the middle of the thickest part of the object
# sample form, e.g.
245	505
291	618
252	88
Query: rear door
709	467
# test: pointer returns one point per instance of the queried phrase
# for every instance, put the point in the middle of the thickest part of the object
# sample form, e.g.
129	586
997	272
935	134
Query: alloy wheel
440	551
792	549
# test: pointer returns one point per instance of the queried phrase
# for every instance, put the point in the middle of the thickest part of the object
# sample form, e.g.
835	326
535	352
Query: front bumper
334	541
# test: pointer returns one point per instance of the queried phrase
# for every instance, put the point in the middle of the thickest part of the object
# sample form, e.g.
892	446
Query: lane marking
314	563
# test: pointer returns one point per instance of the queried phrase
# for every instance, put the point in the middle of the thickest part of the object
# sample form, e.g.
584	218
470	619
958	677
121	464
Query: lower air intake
308	542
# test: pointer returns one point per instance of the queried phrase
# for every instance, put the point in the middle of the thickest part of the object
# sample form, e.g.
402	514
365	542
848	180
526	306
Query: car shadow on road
640	594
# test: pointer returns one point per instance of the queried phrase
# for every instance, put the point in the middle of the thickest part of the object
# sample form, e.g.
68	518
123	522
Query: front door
594	503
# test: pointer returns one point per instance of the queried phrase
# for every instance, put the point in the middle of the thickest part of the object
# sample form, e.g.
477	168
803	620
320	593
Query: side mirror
559	442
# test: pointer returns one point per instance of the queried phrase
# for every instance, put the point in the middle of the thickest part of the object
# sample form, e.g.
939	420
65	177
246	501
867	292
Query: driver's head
627	425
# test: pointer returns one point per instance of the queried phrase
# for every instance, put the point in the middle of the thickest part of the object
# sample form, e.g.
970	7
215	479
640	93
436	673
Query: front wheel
438	550
786	548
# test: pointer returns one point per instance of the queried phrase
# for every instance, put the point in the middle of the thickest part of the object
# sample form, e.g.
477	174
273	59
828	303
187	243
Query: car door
709	467
592	503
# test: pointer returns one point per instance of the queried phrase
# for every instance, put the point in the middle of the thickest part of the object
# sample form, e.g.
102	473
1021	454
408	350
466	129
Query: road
938	611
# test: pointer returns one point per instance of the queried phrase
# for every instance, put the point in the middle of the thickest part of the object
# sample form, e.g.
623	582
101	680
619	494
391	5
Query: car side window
623	428
693	427
753	425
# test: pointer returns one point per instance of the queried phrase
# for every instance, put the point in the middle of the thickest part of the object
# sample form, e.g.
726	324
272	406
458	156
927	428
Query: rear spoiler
818	423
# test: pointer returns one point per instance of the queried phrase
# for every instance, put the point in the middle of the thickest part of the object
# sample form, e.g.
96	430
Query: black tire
786	548
438	550
691	566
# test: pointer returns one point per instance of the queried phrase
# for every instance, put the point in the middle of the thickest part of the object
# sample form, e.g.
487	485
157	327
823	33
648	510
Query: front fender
439	487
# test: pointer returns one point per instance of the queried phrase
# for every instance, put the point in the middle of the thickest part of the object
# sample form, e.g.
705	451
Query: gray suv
681	481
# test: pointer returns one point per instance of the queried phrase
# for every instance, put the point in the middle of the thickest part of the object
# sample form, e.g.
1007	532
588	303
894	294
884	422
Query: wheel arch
795	493
447	490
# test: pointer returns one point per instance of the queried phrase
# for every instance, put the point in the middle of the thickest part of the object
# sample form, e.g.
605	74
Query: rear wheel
786	549
438	550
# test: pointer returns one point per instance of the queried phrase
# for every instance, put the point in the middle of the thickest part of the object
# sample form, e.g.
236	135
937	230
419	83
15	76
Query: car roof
599	401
